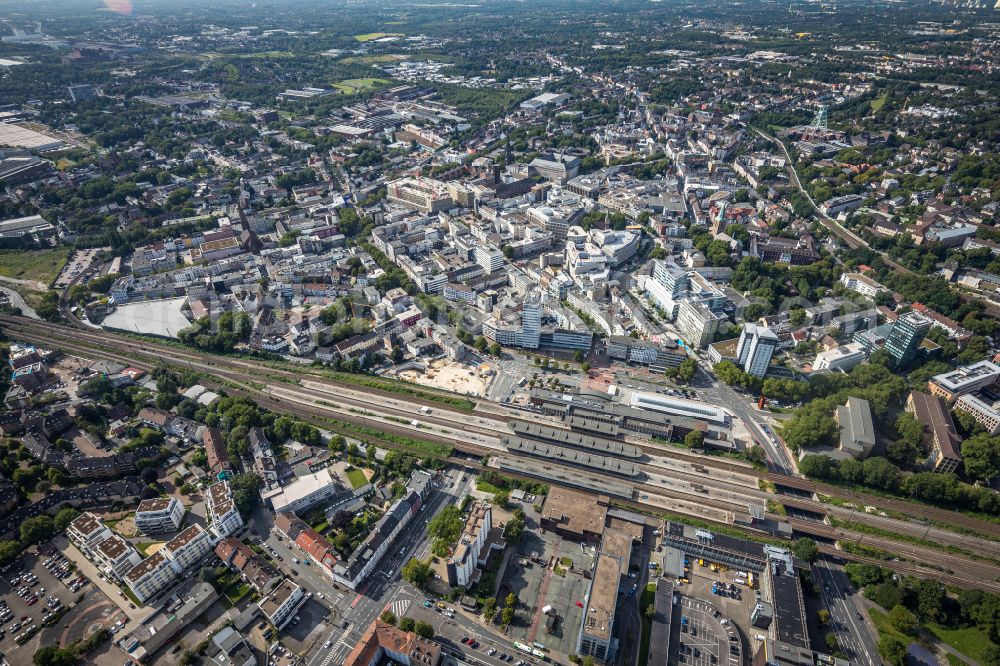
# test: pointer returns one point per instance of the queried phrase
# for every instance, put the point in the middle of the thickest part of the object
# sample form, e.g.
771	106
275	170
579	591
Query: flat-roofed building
986	414
843	358
679	407
595	638
697	323
223	517
160	628
86	531
160	514
426	194
115	556
229	649
574	515
150	576
280	605
940	434
963	380
326	486
185	549
461	565
27	231
857	432
862	284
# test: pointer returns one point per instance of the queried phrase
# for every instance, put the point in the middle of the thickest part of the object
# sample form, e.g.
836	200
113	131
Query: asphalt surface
349	612
855	635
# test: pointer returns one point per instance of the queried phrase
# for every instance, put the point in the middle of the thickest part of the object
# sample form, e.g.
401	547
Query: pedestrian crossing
399	607
337	654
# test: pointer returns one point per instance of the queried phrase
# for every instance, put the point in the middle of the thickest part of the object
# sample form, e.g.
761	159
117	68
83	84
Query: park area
353	86
373	36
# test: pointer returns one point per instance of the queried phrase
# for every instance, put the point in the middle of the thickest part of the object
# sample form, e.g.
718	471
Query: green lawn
357	478
879	102
970	641
143	548
37	265
645	599
371	59
351	86
376	35
485	487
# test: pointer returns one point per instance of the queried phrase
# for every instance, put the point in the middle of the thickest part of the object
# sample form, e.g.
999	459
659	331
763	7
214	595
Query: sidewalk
110	590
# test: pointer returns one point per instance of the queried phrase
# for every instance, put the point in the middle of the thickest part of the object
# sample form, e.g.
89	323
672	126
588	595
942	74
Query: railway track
243	377
942	516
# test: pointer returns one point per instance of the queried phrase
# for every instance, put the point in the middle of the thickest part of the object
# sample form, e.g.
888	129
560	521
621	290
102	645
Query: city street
352	612
847	613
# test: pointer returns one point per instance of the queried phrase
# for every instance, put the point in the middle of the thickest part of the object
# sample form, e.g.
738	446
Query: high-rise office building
531	320
671	276
905	337
755	348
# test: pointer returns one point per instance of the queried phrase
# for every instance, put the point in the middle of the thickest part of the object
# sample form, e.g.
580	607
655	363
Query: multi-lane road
323	398
847	617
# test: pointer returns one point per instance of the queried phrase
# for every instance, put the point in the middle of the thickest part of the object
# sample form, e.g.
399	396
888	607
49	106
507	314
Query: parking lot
712	628
536	586
40	585
78	262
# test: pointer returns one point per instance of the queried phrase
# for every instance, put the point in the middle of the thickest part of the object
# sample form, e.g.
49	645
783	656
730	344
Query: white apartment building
490	259
150	576
160	514
697	323
86	531
843	358
185	549
862	284
223	517
280	605
462	564
115	556
755	348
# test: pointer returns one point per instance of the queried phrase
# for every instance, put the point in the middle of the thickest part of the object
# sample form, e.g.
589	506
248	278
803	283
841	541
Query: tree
9	551
823	615
65	517
805	549
687	369
515	526
812	425
892	650
406	623
388	617
38	528
52	655
245	489
831	641
490	609
903	620
424	630
417	572
694	439
507	617
981	456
